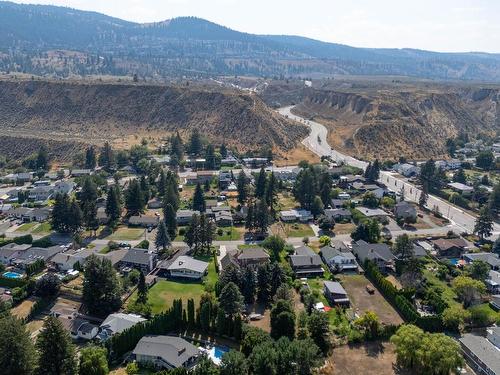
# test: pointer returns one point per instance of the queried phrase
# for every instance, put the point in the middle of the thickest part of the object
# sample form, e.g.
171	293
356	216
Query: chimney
180	351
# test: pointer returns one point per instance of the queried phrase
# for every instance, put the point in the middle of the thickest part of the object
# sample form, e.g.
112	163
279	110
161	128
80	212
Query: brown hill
393	122
94	112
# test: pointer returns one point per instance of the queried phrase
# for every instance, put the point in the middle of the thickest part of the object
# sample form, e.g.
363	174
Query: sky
437	25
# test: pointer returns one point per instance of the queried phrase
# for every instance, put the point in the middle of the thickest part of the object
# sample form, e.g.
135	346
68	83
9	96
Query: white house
187	267
293	215
338	260
406	169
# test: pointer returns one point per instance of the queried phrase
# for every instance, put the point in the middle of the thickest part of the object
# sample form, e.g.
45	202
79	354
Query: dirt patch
371	358
346	228
294	156
265	322
362	301
22	310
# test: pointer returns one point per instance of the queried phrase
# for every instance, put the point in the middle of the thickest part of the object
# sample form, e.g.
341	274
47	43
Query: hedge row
7	282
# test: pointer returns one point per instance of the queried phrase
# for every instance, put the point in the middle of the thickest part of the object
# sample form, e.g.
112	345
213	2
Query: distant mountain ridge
50	40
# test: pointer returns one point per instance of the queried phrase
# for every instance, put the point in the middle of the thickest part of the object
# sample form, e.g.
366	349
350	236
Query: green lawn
26	227
127	234
164	292
229	234
487	310
298	230
43	228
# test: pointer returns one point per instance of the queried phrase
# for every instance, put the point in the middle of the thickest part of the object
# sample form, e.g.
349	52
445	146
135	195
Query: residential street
461	220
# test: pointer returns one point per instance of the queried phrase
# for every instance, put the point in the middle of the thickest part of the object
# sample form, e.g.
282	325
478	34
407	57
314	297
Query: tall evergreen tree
249	284
101	288
325	187
424	196
60	212
113	204
17	353
262	217
134	198
271	194
42	159
107	157
223	150
162	240
142	289
260	185
56	352
242	188
90	158
176	149
198	199
170	220
210	157
195	145
494	201
484	224
162	184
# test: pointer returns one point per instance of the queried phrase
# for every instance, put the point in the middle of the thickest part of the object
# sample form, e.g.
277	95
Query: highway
317	142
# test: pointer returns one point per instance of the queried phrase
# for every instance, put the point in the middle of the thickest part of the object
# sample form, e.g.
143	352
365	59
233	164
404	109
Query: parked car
370	289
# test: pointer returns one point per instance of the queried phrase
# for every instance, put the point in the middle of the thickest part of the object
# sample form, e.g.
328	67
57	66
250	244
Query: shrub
42	242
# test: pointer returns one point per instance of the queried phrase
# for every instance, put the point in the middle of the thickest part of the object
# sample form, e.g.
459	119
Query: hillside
49	40
402	121
95	112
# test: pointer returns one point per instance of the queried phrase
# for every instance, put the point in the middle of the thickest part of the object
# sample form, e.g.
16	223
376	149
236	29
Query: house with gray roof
338	214
337	260
335	293
165	352
373	213
140	259
144	221
186	267
33	254
405	211
184	217
493	282
491	259
306	263
378	253
482	354
117	323
12	251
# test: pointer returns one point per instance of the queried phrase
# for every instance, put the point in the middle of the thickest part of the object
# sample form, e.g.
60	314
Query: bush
144	244
21	240
182	231
42	242
47	286
220	232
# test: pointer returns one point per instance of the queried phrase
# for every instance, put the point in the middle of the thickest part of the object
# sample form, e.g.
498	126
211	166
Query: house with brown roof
450	247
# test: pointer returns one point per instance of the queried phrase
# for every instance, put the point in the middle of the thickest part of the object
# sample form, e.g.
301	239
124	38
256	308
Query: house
27	215
293	215
461	188
450	247
419	251
140	259
337	203
338	214
165	352
335	293
254	255
11	251
66	261
33	254
378	253
20	178
405	211
155	203
229	161
77	327
81	172
117	323
306	263
493	282
225	178
344	196
406	169
224	219
144	221
64	187
186	267
373	213
161	159
255	162
184	217
453	164
482	354
338	261
40	193
101	215
491	259
495	301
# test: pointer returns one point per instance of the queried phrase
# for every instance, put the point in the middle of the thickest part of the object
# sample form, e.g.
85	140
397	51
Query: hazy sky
440	25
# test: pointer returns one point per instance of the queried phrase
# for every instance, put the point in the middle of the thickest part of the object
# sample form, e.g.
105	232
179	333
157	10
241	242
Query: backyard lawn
449	294
127	234
164	292
230	234
298	230
26	227
43	228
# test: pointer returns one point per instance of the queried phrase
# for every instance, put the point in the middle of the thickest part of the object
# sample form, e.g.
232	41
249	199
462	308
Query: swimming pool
12	275
454	261
215	353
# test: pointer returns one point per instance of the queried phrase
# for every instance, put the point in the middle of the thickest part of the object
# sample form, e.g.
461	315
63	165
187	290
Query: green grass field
43	228
127	234
164	292
228	234
298	230
26	227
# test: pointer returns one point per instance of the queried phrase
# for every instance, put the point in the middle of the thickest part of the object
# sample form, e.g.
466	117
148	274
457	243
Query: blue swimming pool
12	275
219	351
454	261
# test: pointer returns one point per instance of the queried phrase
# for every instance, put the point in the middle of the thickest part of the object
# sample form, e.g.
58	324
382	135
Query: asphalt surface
317	142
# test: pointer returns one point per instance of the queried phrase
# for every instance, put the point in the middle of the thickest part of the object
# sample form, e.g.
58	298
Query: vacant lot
371	358
127	234
361	300
230	234
298	230
23	309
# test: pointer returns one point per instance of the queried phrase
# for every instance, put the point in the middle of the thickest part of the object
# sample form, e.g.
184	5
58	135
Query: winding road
317	142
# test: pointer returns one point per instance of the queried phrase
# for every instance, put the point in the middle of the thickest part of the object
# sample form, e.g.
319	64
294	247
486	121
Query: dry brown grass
295	155
22	310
